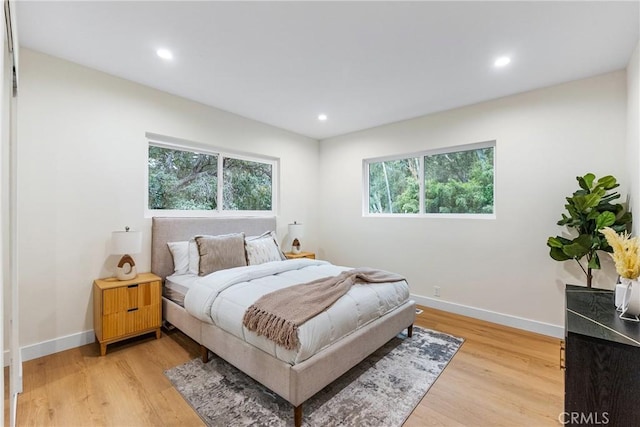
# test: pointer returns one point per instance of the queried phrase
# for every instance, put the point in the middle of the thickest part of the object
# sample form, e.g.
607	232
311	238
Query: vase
631	301
621	289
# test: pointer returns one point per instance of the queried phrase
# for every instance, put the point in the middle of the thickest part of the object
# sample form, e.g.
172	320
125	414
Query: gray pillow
220	252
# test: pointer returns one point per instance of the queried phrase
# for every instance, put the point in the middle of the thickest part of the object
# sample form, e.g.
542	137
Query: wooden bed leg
410	331
204	352
297	416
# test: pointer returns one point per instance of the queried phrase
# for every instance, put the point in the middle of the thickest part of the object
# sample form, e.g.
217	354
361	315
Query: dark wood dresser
602	360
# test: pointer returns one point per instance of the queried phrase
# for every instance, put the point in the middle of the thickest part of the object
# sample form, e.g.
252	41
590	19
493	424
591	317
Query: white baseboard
548	329
33	351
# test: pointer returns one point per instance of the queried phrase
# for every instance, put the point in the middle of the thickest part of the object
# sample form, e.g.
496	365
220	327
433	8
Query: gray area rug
382	390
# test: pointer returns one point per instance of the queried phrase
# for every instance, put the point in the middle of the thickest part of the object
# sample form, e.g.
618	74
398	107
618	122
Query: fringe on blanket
275	328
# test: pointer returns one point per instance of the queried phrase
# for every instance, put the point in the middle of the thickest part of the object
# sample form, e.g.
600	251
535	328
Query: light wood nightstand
291	255
127	308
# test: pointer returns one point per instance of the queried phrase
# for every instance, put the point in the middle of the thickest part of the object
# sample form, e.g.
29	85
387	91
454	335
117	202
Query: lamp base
295	246
126	269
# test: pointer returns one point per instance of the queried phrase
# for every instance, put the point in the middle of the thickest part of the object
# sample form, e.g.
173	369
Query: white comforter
221	298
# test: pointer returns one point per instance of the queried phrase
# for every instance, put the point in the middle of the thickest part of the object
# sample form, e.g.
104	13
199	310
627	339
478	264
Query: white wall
545	138
633	135
82	175
82	153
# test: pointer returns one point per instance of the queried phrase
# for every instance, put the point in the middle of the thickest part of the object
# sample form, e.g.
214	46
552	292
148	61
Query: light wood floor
500	376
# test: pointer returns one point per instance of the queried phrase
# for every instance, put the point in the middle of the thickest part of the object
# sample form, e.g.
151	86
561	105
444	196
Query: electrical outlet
436	291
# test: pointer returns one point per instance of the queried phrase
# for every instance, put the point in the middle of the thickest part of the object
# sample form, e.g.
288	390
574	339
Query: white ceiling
363	64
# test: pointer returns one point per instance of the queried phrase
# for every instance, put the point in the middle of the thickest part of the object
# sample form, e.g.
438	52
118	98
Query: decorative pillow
180	254
220	252
263	248
194	257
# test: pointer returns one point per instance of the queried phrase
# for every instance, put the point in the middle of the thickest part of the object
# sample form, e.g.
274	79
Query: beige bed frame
294	383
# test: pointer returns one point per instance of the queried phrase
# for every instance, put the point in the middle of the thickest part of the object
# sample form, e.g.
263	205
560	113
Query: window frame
173	143
421	155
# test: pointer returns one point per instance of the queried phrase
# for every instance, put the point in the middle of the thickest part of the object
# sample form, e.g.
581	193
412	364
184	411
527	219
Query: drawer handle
132	286
132	309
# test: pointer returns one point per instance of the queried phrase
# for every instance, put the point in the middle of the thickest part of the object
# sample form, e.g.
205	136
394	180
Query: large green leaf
565	219
587	180
580	247
609	197
582	183
589	201
558	242
558	255
575	251
605	219
608	182
573	211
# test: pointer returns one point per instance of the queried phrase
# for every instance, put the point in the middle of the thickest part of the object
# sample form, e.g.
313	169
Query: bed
295	381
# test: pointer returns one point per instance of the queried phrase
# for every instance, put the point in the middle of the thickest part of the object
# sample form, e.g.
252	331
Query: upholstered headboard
166	229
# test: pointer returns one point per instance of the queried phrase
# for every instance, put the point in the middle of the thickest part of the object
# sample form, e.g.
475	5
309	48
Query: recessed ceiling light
164	54
502	61
322	117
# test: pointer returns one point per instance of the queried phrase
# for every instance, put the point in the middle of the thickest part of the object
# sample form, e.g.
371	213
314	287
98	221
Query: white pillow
194	257
263	248
180	253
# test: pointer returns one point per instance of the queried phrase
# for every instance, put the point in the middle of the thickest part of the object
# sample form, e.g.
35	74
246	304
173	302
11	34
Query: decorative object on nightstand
291	255
125	243
626	256
296	232
126	308
630	307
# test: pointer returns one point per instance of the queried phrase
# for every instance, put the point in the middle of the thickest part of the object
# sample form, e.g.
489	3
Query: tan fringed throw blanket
278	314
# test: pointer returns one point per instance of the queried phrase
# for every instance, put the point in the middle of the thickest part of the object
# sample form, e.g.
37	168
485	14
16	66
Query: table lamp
296	232
125	243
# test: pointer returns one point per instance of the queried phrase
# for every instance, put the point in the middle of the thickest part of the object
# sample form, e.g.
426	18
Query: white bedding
221	298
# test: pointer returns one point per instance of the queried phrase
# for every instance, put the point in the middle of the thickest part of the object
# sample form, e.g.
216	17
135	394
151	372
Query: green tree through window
188	180
394	186
457	182
182	180
246	185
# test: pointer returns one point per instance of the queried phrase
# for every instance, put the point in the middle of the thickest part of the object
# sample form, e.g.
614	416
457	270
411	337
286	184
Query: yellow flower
626	253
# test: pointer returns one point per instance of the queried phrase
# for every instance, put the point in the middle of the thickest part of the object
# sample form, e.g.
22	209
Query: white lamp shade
126	242
296	231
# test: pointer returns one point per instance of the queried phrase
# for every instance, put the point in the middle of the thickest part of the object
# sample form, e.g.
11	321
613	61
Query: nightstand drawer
128	298
129	322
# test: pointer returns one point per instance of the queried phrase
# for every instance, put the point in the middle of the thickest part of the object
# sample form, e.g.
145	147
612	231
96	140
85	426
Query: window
457	181
182	180
247	185
186	178
394	186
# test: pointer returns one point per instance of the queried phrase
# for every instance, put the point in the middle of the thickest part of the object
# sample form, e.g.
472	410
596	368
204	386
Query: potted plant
590	209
